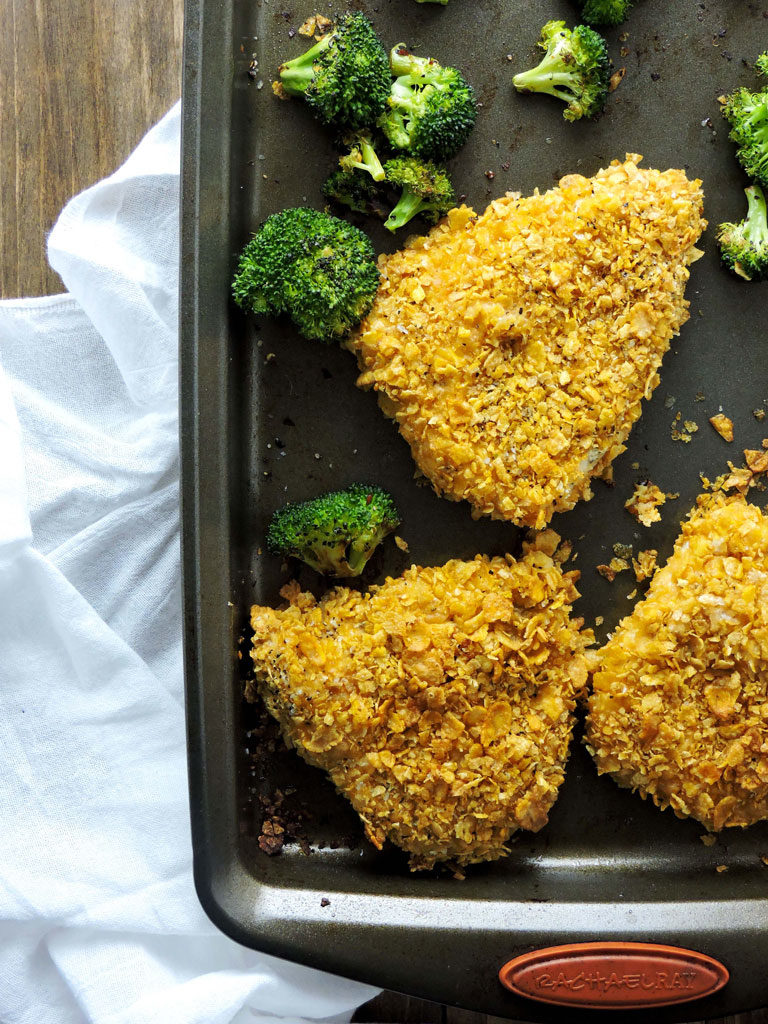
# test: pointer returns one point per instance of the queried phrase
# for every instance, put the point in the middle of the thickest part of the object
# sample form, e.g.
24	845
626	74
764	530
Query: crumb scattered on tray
645	503
723	425
599	620
645	564
402	544
708	839
325	902
622	550
740	479
756	459
279	91
614	567
721	868
759	414
764	859
316	24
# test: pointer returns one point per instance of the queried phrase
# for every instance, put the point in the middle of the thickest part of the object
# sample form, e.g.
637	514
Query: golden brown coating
679	709
513	349
440	703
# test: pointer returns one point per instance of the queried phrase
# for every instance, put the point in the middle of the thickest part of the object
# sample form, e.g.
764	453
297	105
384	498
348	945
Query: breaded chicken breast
514	348
440	703
679	708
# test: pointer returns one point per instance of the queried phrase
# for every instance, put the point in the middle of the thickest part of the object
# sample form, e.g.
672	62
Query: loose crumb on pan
723	425
645	503
679	710
441	703
514	348
645	564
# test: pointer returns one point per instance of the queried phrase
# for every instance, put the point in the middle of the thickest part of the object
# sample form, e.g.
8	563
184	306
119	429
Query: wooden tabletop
80	83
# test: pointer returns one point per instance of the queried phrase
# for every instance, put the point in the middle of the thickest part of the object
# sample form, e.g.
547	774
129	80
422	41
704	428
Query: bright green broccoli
744	246
362	156
575	68
426	190
357	191
747	113
761	64
336	533
605	12
344	77
432	109
318	269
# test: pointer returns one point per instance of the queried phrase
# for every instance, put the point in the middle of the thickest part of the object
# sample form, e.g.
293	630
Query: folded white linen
99	920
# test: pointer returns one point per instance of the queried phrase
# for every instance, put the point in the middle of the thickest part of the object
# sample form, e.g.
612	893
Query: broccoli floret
605	12
575	68
432	109
318	269
744	246
336	533
362	157
357	191
761	64
426	190
747	113
344	77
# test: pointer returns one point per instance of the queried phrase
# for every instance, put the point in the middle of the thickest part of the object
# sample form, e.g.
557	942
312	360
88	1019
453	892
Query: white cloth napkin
99	920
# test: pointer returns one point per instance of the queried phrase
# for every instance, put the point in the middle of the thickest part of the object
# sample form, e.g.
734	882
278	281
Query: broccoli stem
407	207
404	63
539	79
370	161
756	230
297	74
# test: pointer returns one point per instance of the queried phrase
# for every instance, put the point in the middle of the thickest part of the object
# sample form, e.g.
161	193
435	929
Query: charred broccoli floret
336	533
744	246
432	109
318	269
575	68
362	157
355	190
605	12
344	77
426	190
747	113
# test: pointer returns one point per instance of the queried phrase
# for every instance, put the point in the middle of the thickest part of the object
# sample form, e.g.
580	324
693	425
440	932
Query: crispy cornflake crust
679	710
514	348
645	502
441	703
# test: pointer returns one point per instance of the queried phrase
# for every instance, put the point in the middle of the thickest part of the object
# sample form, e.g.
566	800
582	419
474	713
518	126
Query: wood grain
80	83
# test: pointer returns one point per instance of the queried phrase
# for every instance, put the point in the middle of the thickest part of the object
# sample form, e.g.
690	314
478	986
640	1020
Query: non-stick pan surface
267	417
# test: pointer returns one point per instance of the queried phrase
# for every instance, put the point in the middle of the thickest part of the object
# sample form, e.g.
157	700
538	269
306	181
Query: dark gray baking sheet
267	416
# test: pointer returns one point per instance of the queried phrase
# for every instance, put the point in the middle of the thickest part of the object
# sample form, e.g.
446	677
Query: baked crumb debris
685	435
514	348
679	710
723	425
759	414
756	460
645	564
614	567
645	503
401	543
441	703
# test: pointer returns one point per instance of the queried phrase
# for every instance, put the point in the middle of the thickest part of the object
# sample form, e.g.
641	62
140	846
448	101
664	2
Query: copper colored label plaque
613	975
